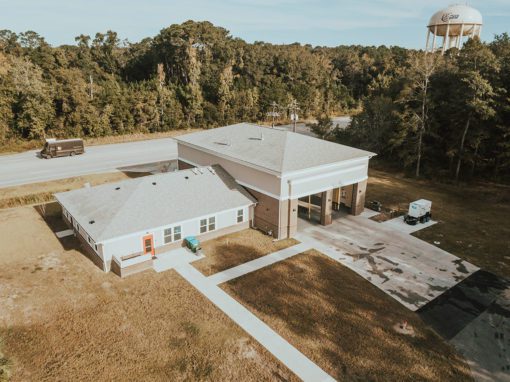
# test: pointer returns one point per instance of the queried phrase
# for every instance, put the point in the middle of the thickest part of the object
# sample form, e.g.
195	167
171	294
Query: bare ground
231	250
473	219
345	324
64	319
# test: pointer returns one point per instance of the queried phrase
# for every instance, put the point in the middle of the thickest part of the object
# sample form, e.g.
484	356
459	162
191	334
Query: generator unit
419	211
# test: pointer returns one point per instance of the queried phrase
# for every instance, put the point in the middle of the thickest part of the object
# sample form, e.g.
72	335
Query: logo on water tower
448	17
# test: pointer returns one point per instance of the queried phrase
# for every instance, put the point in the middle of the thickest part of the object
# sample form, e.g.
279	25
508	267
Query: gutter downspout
289	204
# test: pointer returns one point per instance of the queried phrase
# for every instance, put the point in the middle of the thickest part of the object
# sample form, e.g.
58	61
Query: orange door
148	245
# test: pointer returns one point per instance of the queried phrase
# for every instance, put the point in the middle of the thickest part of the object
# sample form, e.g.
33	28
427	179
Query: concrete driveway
408	269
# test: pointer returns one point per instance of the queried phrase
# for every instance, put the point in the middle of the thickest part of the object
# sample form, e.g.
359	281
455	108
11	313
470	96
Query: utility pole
91	87
293	108
273	113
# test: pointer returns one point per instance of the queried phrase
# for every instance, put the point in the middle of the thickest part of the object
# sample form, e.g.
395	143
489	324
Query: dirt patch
472	218
4	365
345	324
62	318
231	250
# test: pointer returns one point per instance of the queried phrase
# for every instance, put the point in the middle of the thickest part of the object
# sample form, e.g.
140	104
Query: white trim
325	166
152	229
322	189
325	175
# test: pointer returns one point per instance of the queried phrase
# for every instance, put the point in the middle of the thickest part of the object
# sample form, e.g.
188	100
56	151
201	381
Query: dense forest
448	114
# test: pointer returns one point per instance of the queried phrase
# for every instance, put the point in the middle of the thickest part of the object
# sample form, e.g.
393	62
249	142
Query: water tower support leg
427	43
446	37
434	39
460	36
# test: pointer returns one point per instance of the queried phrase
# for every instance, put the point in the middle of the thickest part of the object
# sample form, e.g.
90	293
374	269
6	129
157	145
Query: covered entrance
319	207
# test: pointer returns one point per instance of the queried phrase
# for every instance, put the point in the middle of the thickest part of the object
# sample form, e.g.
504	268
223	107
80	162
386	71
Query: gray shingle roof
153	201
278	151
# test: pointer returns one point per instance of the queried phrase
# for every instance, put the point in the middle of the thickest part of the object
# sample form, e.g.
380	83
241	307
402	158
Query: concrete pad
368	213
65	233
485	342
256	264
400	225
408	269
174	258
296	361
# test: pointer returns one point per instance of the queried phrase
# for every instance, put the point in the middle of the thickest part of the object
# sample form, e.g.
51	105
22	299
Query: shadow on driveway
453	310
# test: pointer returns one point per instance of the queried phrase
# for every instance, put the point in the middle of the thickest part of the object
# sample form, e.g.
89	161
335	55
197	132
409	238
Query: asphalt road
27	167
301	127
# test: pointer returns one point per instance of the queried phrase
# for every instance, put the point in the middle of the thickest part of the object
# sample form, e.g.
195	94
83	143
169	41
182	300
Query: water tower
453	25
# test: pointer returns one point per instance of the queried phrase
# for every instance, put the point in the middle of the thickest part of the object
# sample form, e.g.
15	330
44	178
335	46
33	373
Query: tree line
413	108
446	115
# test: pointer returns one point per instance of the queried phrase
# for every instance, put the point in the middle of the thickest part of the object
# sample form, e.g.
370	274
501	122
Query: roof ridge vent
260	137
225	142
211	170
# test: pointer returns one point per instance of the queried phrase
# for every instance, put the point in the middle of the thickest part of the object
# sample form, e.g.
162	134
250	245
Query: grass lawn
62	318
345	324
42	192
473	219
231	250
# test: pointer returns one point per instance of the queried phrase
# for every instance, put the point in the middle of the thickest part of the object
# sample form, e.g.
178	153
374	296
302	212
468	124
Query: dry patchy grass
15	146
234	249
344	323
473	219
36	193
64	319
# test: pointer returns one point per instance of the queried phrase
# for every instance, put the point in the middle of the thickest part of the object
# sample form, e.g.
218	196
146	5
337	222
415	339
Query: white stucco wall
306	182
324	178
130	244
244	175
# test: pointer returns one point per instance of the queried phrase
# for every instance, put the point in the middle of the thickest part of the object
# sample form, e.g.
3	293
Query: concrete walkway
65	233
173	258
298	363
256	264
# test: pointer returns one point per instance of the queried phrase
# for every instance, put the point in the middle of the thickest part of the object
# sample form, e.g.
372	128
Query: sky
319	22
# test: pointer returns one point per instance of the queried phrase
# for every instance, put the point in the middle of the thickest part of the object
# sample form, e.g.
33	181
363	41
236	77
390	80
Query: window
167	235
240	216
203	225
208	224
177	233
